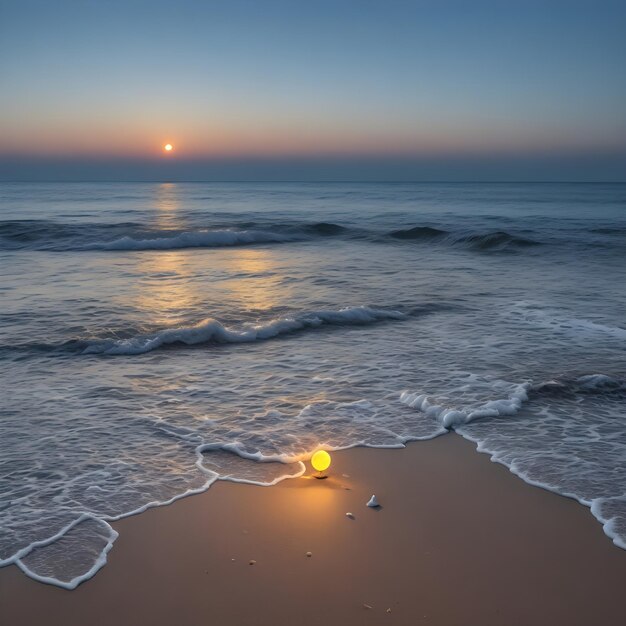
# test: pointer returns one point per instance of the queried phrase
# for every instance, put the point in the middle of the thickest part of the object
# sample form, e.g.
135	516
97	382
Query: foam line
99	563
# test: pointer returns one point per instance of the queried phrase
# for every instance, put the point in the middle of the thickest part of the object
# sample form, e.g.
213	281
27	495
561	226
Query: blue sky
498	86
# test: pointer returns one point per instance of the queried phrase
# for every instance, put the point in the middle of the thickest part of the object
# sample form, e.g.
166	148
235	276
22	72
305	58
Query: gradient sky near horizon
237	83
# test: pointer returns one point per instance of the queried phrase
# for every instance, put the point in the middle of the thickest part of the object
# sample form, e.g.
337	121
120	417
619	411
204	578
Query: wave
131	236
221	237
49	234
450	417
212	331
122	236
515	395
45	235
498	240
193	239
419	232
325	228
487	241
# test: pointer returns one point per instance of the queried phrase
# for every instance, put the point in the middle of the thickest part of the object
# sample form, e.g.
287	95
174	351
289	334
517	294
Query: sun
168	147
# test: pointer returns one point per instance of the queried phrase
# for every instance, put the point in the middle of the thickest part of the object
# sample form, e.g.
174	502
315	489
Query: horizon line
329	181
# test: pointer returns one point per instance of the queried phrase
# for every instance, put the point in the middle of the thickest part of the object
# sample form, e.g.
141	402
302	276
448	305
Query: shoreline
458	540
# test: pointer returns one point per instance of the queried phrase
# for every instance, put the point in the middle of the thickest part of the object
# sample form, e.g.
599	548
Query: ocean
155	338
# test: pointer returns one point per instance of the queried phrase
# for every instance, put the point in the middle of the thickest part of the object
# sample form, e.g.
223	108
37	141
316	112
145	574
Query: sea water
155	338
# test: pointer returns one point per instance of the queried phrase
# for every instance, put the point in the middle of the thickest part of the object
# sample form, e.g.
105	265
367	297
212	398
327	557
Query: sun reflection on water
165	290
255	282
167	204
190	284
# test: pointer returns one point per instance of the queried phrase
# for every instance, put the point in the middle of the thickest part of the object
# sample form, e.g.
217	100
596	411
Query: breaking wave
212	331
449	417
129	236
198	239
514	395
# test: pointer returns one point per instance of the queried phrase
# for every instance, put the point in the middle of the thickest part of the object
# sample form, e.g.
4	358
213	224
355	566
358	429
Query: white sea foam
71	557
611	513
212	331
449	417
193	239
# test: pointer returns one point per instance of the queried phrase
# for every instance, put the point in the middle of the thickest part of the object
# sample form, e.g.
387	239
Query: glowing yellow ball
321	460
168	147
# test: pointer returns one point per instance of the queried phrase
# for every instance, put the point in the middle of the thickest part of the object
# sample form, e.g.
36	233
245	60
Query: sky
312	90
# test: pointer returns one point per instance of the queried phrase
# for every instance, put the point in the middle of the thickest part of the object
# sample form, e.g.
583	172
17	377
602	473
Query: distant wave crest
496	240
129	236
194	239
418	232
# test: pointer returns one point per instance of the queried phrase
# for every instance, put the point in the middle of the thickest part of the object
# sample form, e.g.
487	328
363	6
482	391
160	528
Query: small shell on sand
373	502
389	610
350	515
367	606
309	553
252	562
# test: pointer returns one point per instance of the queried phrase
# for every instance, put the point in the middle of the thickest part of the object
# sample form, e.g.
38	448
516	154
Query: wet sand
458	541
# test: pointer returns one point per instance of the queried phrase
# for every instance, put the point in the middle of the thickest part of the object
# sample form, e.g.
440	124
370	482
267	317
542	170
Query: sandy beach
457	540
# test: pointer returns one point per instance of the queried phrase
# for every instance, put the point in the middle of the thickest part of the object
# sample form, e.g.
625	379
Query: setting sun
168	147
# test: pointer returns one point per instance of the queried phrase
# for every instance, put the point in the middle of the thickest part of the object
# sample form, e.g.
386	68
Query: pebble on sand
350	515
252	562
309	553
